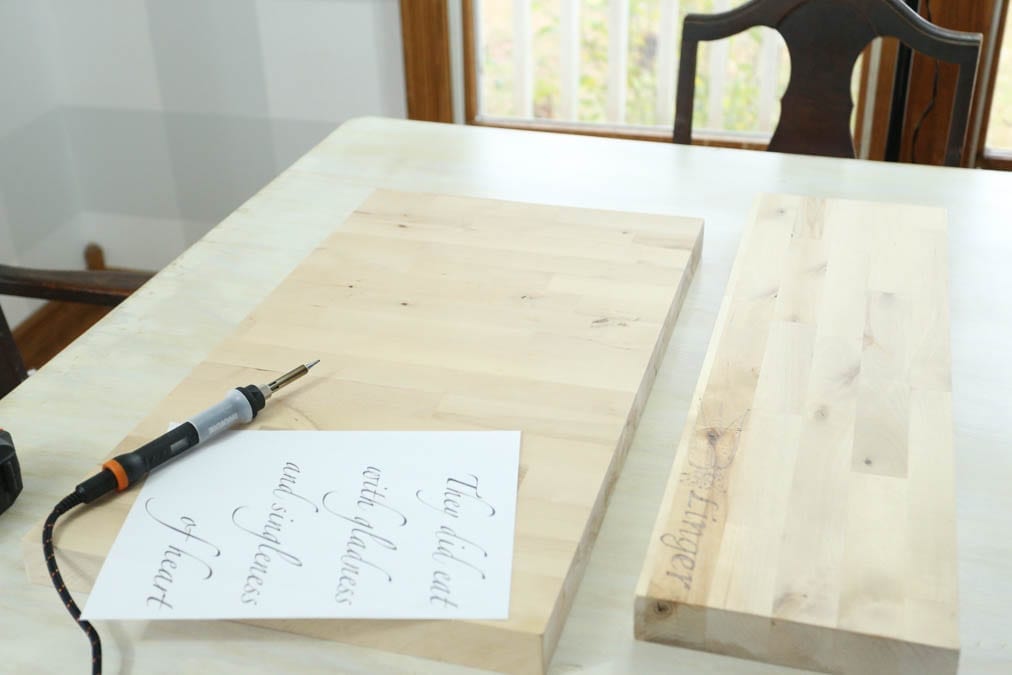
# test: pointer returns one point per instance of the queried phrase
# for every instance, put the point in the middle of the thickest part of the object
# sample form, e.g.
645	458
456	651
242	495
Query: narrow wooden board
809	519
437	312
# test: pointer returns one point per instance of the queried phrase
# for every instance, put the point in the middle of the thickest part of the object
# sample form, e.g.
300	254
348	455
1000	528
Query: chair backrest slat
824	39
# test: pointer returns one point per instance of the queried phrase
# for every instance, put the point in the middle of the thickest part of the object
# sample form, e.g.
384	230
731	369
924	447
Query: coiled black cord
66	504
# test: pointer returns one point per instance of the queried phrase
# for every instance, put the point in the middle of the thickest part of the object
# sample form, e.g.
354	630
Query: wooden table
78	407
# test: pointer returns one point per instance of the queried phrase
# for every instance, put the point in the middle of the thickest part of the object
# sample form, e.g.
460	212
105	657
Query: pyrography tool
240	405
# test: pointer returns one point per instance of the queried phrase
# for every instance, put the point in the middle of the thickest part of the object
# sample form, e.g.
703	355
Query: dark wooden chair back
12	367
825	38
96	287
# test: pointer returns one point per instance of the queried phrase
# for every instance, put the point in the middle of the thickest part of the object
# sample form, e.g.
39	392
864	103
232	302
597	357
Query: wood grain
77	408
809	518
425	33
436	312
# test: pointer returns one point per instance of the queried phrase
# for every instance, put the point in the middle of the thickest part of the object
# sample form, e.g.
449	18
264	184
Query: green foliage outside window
739	105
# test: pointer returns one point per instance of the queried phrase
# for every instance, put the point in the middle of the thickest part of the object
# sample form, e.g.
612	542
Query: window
608	62
608	67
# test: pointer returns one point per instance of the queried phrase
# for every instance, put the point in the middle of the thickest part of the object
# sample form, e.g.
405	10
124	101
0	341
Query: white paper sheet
320	524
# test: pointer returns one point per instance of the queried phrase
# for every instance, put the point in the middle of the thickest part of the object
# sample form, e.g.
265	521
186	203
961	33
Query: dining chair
95	287
824	39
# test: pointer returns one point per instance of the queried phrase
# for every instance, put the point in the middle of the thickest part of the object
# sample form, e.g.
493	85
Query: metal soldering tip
290	376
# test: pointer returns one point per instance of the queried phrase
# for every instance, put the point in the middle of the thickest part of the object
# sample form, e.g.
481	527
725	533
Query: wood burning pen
240	405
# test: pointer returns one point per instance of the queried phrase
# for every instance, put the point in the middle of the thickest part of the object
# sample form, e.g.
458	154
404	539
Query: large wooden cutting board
809	518
437	312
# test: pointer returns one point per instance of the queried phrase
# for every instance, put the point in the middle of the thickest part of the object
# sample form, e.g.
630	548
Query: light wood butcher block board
438	312
809	519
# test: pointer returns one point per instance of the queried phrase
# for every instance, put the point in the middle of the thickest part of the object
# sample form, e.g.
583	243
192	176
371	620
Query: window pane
615	62
495	58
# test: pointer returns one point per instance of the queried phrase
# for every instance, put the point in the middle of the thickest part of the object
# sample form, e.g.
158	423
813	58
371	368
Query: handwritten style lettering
457	494
192	548
373	496
451	548
698	512
365	537
270	535
289	474
440	589
454	553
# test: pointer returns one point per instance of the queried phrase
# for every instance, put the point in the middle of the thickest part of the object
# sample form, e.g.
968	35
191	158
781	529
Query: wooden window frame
1000	159
996	159
428	84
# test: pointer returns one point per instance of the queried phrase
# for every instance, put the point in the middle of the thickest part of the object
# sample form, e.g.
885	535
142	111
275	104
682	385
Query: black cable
931	103
121	471
66	504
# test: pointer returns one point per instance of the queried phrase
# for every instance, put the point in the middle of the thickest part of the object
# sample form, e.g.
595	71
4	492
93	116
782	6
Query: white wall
142	123
38	191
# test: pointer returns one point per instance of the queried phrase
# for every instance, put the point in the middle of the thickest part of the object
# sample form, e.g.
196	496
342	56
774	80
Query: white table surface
67	417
